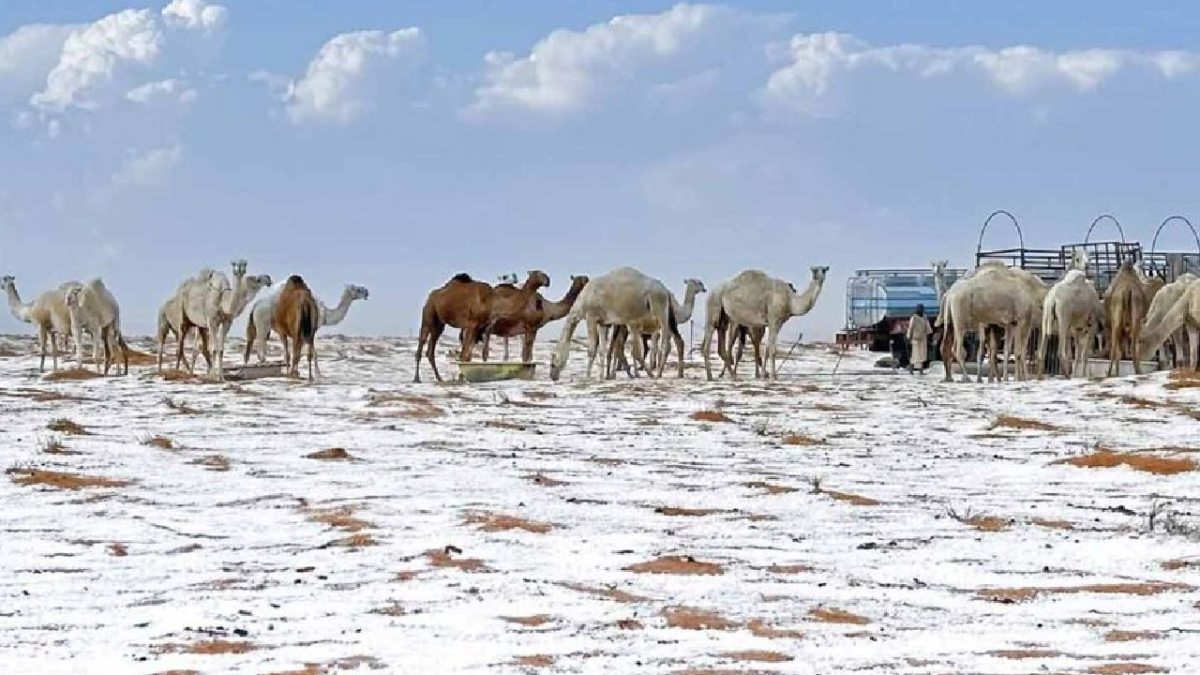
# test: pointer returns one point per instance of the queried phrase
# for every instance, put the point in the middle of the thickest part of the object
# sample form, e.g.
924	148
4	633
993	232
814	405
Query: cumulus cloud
95	55
332	89
568	68
147	169
27	54
170	90
818	63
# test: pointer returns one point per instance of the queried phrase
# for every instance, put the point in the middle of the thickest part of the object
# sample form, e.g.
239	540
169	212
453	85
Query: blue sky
393	144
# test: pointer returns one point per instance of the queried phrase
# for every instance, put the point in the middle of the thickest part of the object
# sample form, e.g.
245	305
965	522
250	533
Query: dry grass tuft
1025	653
215	646
392	609
759	628
1131	635
499	522
54	446
1150	404
771	488
830	615
675	564
62	480
690	618
173	375
341	517
1021	594
159	442
528	621
1182	379
856	500
758	655
360	540
330	454
801	440
710	416
1011	422
789	569
212	462
63	425
71	375
1156	464
441	558
629	624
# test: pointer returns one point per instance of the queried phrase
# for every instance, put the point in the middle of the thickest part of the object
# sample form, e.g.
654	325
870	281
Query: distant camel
296	319
93	307
214	306
48	312
462	303
536	315
262	313
1184	313
1162	303
1073	307
681	313
170	321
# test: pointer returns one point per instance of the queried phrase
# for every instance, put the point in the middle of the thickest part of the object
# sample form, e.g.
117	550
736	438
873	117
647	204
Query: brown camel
1125	304
462	303
535	315
296	319
516	311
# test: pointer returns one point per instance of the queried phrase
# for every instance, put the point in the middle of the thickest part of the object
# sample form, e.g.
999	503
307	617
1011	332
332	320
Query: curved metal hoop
998	212
1187	222
1099	218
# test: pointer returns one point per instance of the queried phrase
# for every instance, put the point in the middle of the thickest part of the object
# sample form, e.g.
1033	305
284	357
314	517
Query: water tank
875	295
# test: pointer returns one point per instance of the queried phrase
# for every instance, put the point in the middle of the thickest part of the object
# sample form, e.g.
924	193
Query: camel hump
462	277
296	280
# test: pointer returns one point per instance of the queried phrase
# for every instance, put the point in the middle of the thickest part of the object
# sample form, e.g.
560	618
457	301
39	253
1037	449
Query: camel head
1079	260
818	273
578	282
537	279
356	292
239	268
694	285
257	282
939	266
72	295
7	282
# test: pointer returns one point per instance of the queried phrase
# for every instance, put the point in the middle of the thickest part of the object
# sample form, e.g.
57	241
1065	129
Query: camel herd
1137	314
207	302
620	304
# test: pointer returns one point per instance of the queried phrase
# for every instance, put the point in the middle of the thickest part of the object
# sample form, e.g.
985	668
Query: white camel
1072	310
258	326
94	308
993	295
622	297
754	300
214	305
1162	303
48	312
171	321
681	313
1184	313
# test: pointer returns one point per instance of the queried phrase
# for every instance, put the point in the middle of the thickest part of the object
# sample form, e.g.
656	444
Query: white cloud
147	169
195	14
27	54
169	90
817	63
332	87
567	68
95	55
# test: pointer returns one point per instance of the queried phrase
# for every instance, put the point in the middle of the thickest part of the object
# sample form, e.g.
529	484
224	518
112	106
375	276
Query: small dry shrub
330	454
159	442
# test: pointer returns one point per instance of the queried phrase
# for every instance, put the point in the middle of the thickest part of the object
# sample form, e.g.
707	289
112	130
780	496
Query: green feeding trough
494	371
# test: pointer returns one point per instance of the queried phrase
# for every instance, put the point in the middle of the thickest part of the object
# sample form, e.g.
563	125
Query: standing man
918	339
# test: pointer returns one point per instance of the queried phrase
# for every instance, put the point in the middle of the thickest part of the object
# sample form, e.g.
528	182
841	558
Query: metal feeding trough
494	371
254	371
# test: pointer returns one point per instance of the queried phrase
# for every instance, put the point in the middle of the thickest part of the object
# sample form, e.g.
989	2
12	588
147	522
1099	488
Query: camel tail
251	335
309	320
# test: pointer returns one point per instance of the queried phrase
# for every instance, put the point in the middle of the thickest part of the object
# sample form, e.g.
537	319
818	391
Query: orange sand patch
856	500
353	541
530	621
606	593
801	440
70	375
534	661
710	416
1053	524
62	480
690	618
212	462
330	454
789	569
1131	635
987	523
412	407
208	647
160	442
1125	669
1011	422
1149	463
441	558
676	511
674	564
758	655
498	522
759	628
1025	653
1011	595
1179	563
341	517
771	488
830	615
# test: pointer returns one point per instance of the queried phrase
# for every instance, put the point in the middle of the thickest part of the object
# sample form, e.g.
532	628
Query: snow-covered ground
858	521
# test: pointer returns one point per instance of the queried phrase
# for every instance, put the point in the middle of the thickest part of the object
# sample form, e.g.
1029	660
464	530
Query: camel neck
19	310
332	317
802	303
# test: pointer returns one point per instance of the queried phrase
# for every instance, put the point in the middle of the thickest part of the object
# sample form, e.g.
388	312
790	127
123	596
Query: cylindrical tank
875	295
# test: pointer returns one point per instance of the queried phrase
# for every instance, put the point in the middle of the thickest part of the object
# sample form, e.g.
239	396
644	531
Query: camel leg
983	340
43	337
639	355
594	340
435	332
705	346
1193	348
312	358
471	336
1135	335
526	345
756	338
678	339
179	344
960	351
1064	352
506	348
772	348
422	336
1114	347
